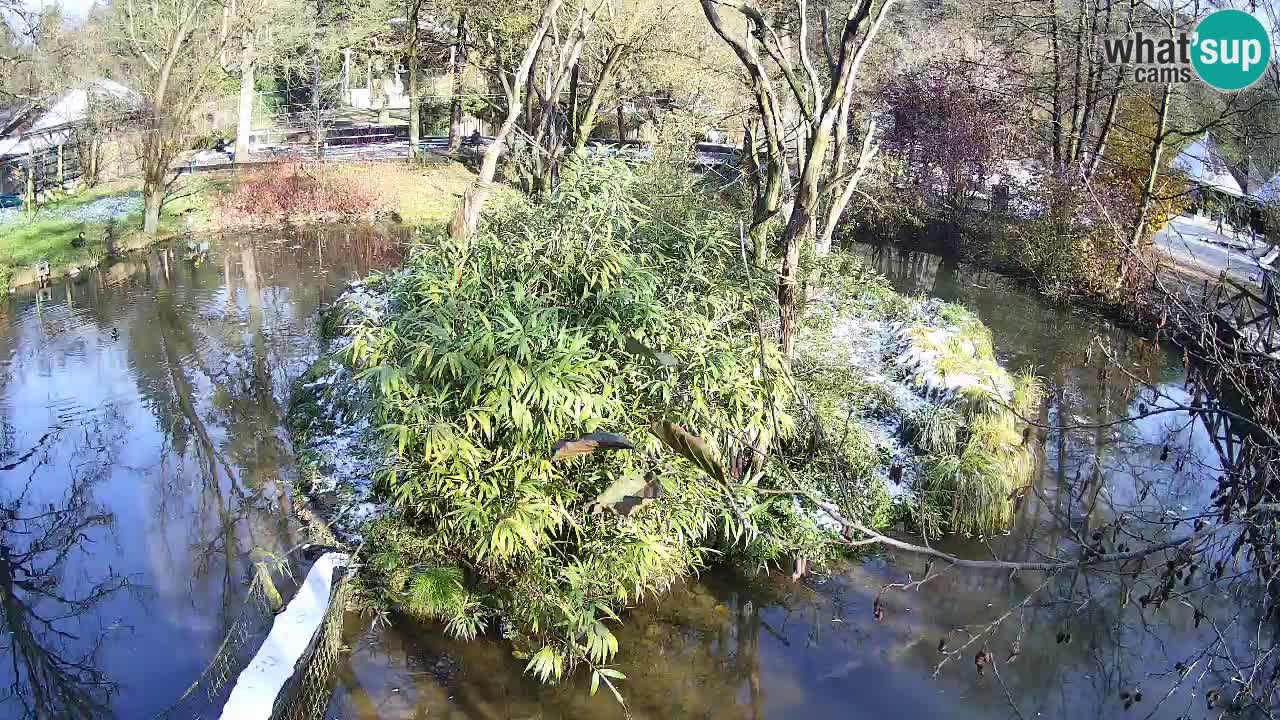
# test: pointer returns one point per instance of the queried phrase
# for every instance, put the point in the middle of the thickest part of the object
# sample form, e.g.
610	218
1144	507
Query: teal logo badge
1230	50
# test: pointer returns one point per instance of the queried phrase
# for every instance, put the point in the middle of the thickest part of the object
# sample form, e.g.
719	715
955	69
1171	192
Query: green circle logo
1232	50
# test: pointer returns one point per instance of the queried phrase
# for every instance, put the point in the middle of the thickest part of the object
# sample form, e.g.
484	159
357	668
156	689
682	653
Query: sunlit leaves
546	664
628	494
499	389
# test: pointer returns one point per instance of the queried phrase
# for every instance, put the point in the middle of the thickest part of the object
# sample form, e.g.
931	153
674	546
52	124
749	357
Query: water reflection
729	646
143	459
49	628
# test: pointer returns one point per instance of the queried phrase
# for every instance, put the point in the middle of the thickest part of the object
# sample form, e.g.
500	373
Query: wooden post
31	181
62	175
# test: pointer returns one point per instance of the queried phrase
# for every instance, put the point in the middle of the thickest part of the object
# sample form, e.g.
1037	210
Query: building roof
1269	192
67	109
1204	165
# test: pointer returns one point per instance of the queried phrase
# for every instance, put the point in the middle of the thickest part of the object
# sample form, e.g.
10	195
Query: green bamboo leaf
589	443
691	447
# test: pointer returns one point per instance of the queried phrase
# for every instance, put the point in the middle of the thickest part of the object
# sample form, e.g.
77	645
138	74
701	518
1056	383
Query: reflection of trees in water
53	660
694	653
212	369
215	350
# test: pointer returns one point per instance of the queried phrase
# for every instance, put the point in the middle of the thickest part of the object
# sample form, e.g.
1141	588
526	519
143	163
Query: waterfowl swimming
79	240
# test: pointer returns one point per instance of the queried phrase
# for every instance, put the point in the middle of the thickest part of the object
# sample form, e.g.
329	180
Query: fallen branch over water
877	538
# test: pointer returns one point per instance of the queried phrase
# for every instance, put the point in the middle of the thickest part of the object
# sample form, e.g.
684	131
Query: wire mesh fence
306	694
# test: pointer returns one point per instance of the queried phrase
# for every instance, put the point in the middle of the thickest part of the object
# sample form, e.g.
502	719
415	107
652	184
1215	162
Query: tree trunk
415	102
157	151
415	108
315	64
841	201
622	120
466	219
574	76
1100	148
788	286
1056	111
583	126
1077	83
459	53
152	199
1153	171
244	121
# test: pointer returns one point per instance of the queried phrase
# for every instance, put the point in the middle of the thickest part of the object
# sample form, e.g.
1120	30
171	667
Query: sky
70	8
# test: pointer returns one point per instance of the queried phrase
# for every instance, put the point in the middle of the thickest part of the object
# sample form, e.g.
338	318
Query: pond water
143	461
144	468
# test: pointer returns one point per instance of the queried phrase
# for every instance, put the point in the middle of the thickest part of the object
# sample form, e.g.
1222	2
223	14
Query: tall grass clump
617	301
975	455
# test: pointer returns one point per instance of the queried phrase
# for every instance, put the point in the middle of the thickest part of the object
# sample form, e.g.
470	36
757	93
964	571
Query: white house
38	131
1204	166
45	127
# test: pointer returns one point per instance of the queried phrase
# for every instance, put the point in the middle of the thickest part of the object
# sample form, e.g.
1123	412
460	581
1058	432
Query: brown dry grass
424	195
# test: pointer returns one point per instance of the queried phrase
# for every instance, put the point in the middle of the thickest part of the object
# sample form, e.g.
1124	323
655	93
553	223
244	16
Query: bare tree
467	217
457	68
171	49
260	30
824	98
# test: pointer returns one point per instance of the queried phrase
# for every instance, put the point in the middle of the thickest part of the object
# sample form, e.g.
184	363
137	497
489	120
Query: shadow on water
143	459
735	646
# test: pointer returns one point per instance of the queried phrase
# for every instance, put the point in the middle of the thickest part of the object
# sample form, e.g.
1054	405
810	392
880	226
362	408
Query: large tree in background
498	39
822	88
260	35
169	50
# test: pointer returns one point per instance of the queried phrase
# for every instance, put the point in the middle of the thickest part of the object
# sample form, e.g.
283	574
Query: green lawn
46	236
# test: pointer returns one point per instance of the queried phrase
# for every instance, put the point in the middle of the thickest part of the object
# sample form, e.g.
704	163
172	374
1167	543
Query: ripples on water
146	461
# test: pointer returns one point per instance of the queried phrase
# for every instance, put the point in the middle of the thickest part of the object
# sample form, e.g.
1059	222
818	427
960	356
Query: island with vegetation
558	419
517	323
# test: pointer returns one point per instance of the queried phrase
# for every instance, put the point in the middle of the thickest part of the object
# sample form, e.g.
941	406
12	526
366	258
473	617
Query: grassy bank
564	418
214	202
309	193
46	235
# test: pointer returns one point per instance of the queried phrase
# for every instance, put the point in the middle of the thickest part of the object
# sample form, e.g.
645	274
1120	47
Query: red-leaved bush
296	192
951	126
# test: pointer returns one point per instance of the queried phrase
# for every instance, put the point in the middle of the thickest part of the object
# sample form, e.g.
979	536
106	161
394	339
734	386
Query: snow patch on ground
901	358
99	211
105	209
346	454
918	353
867	345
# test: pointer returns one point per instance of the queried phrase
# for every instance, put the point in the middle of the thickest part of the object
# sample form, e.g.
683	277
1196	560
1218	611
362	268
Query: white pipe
255	691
